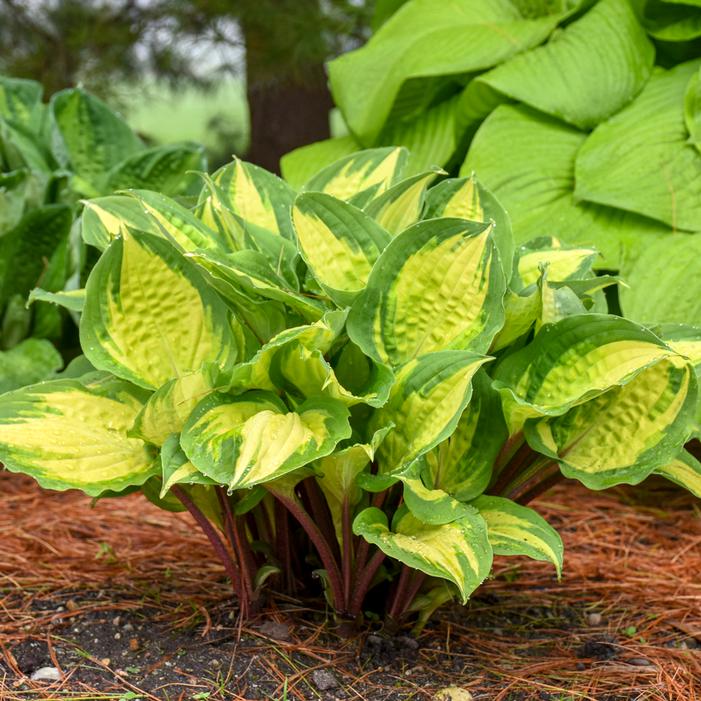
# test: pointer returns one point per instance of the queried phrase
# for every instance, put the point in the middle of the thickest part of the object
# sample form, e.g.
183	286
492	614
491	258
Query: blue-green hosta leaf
25	249
149	317
339	243
169	407
624	434
527	160
20	102
462	464
425	40
586	72
467	198
641	159
361	176
176	468
174	222
88	137
692	109
73	300
401	205
573	361
518	530
28	362
105	218
252	438
563	262
437	285
257	197
251	273
161	168
458	551
664	284
424	405
69	434
684	470
303	163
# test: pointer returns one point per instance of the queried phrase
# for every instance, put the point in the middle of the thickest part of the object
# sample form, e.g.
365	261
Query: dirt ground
127	603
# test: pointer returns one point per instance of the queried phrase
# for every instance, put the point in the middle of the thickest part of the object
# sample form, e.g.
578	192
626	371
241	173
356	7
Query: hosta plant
585	114
51	156
356	388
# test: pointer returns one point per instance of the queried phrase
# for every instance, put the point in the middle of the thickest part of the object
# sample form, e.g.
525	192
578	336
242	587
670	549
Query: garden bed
126	600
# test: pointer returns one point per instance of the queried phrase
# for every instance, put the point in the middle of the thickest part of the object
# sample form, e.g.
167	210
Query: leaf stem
364	581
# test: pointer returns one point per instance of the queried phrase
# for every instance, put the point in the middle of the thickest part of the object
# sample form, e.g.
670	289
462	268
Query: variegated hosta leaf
563	262
572	361
556	303
467	198
462	464
517	530
73	300
684	470
361	176
251	273
252	438
176	468
339	243
401	206
106	218
337	476
169	407
256	196
20	102
624	434
301	164
176	223
683	339
437	285
69	434
425	403
149	317
458	551
521	310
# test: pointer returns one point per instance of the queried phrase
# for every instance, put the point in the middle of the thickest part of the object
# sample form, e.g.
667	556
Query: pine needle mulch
624	622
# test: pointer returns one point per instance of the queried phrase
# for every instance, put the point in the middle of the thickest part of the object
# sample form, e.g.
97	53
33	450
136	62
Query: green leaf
401	205
692	109
672	22
624	434
300	165
425	404
527	160
641	159
339	243
573	361
88	137
176	468
563	262
106	218
28	362
71	434
458	551
684	470
436	286
14	187
462	464
252	439
149	317
586	72
169	407
360	176
258	197
467	198
73	300
25	249
161	168
20	102
424	40
518	530
663	285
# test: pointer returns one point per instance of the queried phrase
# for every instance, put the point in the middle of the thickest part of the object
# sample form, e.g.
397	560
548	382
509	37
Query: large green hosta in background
583	117
51	156
367	378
